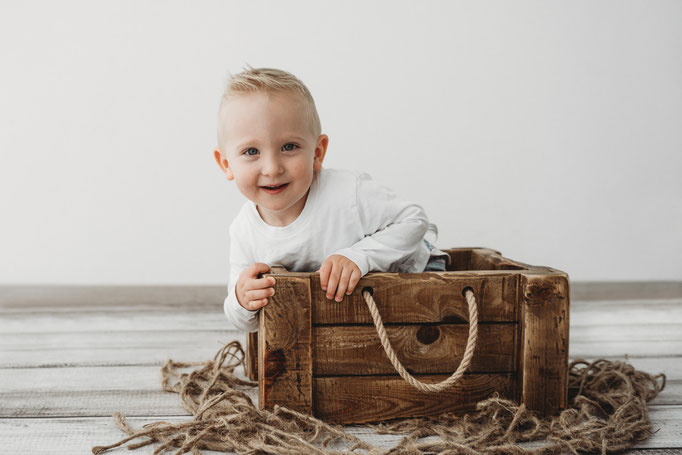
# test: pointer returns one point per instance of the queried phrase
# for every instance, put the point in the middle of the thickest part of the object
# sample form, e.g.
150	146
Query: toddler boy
298	215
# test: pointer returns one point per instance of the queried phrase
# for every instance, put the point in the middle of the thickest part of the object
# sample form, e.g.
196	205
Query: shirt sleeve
394	228
241	318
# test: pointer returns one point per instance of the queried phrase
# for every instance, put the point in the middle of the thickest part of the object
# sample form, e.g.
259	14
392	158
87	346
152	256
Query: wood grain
542	380
251	356
136	391
437	298
75	435
284	347
432	348
372	398
109	348
506	291
110	297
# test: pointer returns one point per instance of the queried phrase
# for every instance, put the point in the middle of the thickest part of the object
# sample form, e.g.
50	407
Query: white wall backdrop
551	131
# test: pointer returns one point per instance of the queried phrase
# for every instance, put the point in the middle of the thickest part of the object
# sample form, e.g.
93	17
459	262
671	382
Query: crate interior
463	259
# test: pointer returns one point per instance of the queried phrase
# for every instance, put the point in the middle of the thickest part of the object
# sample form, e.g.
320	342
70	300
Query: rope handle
468	351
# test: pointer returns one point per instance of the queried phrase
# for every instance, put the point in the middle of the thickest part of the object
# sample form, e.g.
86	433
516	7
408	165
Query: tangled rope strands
468	351
225	418
607	414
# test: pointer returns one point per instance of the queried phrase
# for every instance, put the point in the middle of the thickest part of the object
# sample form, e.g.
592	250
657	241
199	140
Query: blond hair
267	80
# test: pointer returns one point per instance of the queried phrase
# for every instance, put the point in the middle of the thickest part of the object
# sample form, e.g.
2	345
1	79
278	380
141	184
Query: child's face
269	141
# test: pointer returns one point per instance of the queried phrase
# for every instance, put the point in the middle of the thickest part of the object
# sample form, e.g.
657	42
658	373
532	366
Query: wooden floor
71	356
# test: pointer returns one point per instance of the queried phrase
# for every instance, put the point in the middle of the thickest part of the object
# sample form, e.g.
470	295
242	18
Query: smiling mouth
275	187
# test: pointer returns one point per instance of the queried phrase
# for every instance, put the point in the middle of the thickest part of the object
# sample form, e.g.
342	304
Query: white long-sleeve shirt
346	213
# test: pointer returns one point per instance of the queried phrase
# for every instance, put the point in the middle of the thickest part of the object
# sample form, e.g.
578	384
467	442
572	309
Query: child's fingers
259	294
354	278
343	283
260	283
333	281
324	274
256	269
256	304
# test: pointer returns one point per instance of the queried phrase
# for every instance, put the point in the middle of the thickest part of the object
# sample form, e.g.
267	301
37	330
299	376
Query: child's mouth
274	189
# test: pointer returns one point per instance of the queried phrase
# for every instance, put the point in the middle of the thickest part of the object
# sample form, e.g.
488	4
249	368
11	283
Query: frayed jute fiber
607	414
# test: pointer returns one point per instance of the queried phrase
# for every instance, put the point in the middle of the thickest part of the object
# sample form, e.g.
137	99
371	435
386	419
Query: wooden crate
324	358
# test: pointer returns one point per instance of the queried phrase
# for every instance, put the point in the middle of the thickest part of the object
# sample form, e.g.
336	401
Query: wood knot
427	334
542	293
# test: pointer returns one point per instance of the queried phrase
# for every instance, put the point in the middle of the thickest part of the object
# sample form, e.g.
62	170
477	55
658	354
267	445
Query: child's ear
320	151
222	162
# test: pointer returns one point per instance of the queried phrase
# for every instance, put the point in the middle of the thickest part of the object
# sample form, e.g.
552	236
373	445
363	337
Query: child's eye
246	152
289	147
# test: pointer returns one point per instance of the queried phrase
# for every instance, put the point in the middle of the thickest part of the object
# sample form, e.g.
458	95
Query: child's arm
246	292
394	228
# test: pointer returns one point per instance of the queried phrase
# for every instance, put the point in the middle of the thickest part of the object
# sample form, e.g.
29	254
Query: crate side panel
543	372
427	348
422	298
284	347
375	398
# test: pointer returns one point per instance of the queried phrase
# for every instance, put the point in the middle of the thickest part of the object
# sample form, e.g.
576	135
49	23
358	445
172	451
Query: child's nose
272	165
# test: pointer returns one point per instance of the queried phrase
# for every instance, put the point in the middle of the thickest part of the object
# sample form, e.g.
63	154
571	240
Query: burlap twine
607	413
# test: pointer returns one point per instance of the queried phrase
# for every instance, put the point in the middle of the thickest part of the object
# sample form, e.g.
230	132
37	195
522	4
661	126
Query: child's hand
253	292
338	270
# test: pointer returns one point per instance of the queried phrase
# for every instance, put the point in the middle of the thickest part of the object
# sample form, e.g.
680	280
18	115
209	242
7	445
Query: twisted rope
468	352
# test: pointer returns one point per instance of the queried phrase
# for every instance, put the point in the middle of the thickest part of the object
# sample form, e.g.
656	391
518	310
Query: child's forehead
244	112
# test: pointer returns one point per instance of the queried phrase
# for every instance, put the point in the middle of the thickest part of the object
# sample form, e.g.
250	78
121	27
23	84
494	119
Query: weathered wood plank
89	391
625	333
97	391
28	350
625	290
54	436
635	340
658	348
89	298
597	313
285	366
21	350
23	297
371	398
143	347
432	348
67	436
438	298
121	320
542	380
152	347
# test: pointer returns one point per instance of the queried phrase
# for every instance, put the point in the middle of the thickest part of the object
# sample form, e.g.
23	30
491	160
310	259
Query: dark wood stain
274	365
